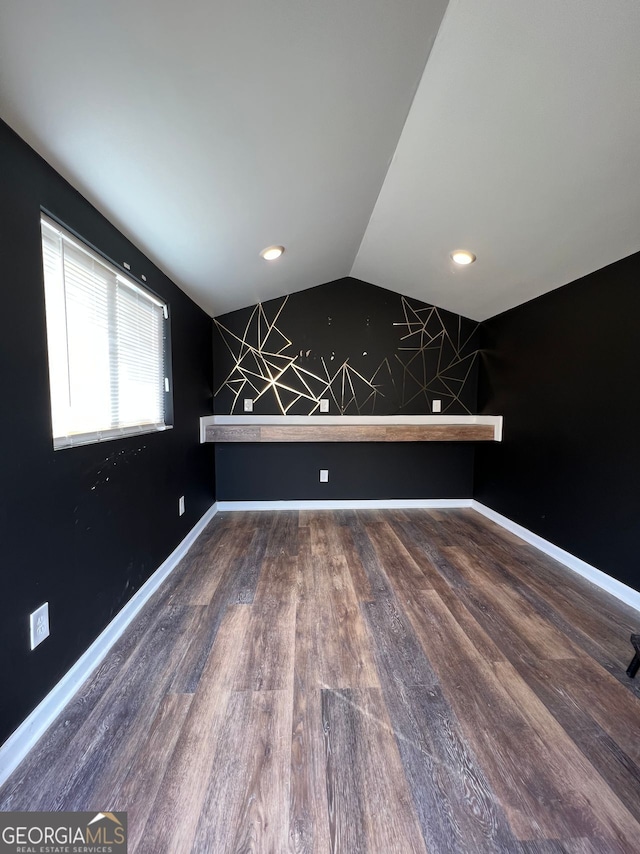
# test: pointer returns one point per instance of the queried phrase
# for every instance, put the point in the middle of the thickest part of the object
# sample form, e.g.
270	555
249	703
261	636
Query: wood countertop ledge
349	433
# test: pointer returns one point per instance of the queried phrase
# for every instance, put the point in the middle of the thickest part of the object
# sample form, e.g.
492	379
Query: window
107	340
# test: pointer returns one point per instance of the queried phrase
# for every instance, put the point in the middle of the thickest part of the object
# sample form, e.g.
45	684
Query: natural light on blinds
106	345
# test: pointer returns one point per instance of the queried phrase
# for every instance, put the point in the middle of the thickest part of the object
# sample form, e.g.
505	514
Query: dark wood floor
392	681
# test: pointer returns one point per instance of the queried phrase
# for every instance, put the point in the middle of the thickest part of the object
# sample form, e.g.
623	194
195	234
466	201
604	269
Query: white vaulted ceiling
208	130
523	145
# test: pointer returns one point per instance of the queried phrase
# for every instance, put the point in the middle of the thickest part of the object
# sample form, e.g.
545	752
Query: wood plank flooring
386	682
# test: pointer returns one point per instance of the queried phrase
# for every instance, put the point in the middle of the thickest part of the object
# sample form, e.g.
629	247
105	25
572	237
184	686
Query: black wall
369	351
81	528
563	370
279	472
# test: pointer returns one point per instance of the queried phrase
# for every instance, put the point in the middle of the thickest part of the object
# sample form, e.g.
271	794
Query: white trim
351	419
597	576
347	504
30	730
256	420
74	440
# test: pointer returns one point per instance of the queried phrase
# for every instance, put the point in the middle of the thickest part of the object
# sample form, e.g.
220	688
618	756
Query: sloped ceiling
522	145
208	130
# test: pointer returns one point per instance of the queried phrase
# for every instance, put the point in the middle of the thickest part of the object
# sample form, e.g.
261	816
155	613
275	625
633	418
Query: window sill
77	439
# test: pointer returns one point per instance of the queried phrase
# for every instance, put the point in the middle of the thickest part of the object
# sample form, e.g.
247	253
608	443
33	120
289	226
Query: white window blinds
106	345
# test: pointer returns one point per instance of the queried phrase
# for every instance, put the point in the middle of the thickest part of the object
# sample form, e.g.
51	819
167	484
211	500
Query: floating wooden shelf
349	433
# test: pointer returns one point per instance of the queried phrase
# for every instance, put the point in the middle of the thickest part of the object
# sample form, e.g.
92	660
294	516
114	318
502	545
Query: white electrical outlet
436	406
39	625
324	475
248	404
181	505
324	404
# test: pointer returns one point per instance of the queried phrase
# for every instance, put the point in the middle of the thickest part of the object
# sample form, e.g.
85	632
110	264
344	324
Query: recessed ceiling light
462	256
272	252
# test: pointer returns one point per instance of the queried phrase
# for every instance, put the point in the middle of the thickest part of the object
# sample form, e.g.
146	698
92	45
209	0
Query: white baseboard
347	504
597	576
24	738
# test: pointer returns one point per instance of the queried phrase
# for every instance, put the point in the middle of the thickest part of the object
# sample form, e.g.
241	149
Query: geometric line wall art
415	353
262	365
425	330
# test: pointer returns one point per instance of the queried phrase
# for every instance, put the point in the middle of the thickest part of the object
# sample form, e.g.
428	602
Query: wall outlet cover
39	625
324	404
248	404
324	475
181	505
436	406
